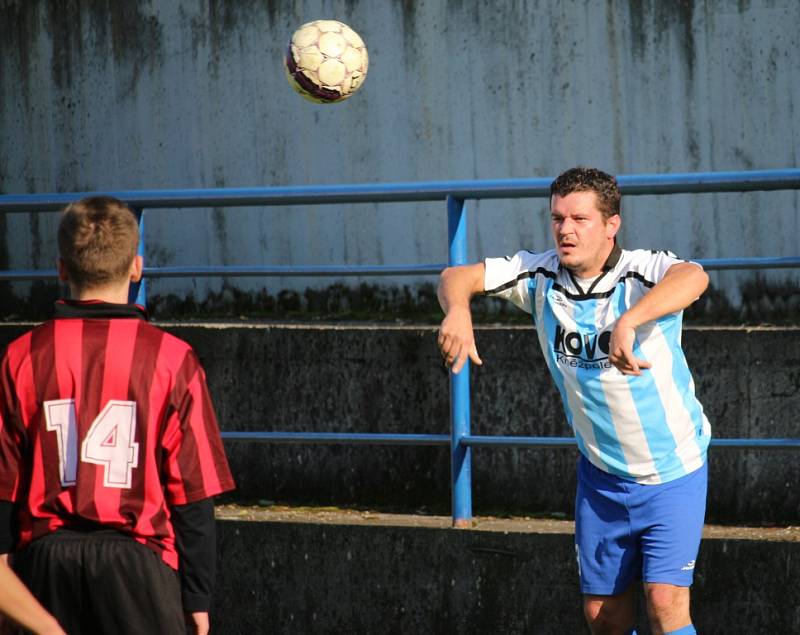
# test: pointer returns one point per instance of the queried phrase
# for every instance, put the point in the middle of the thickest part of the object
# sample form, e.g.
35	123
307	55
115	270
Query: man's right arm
457	285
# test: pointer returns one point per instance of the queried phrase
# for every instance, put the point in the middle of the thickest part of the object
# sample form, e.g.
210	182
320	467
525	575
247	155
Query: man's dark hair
583	179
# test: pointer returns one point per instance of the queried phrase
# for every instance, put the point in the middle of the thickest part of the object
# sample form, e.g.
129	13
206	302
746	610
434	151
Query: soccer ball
326	61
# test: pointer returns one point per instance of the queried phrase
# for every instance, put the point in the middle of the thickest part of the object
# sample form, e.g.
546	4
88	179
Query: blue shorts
625	531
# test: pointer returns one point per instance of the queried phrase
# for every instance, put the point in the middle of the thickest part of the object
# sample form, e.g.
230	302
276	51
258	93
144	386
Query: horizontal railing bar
29	274
355	438
367	270
709	182
564	442
300	270
361	438
718	264
254	271
636	185
474	440
757	444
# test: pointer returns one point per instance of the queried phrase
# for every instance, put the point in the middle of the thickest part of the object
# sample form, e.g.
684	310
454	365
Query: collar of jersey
611	261
613	257
608	265
97	309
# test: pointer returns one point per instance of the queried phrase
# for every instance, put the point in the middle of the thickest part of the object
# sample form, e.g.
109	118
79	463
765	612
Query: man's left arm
681	285
193	474
195	539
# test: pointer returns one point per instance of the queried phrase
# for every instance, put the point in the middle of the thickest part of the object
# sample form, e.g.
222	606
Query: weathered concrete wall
385	379
314	578
106	95
392	380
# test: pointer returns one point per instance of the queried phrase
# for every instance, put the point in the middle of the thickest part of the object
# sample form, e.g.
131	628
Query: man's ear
613	225
137	266
63	275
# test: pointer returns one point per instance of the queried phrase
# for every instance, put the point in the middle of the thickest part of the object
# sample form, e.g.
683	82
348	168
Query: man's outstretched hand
457	340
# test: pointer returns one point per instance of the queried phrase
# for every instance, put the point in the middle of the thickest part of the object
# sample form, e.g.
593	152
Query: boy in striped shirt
110	452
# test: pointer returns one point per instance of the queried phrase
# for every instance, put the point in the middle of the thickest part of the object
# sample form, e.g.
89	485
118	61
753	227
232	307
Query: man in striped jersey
608	322
110	452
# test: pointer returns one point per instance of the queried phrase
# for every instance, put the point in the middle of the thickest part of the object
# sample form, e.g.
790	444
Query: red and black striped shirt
106	419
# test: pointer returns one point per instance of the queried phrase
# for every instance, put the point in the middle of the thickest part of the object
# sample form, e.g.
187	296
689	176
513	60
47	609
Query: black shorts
102	582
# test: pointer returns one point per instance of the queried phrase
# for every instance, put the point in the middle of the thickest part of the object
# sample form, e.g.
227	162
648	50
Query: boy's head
97	241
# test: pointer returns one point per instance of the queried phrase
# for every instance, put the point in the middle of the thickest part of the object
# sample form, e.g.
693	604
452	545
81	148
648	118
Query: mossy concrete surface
301	575
378	378
294	574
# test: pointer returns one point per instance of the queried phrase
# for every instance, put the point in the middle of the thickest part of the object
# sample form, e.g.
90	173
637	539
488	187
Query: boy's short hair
97	239
583	179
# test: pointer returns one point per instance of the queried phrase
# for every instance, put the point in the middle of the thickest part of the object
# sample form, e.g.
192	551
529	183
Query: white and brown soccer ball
326	61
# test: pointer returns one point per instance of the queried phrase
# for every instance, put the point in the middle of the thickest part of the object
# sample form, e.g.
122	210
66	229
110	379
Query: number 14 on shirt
108	443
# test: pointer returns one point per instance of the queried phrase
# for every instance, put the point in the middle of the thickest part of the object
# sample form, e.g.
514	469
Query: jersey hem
197	495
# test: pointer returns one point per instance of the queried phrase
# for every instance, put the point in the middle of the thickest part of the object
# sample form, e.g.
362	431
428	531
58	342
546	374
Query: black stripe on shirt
572	296
525	274
605	294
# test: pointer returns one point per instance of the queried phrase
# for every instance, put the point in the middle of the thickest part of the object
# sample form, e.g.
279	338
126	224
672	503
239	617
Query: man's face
583	237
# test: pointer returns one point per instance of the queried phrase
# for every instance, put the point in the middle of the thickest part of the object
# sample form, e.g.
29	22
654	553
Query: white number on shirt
109	441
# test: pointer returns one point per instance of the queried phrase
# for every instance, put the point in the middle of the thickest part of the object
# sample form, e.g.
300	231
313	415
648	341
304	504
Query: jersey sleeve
653	265
512	278
12	436
195	538
195	466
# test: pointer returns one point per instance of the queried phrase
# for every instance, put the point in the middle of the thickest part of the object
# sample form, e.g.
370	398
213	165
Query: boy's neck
113	294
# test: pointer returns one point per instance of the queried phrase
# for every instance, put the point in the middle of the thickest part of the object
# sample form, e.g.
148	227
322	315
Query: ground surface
338	516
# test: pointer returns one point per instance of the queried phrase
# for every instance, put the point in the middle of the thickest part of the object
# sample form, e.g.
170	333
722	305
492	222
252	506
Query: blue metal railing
455	193
630	185
469	440
460	453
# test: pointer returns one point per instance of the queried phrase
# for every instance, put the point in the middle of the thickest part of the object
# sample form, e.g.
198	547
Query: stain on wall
101	95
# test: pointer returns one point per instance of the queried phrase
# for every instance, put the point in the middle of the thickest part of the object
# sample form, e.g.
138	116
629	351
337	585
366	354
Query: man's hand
457	340
681	285
198	622
620	350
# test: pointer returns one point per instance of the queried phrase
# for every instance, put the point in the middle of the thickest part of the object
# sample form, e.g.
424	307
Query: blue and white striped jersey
651	428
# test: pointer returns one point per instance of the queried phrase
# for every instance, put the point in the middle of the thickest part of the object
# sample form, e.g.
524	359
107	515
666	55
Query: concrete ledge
415	575
363	378
379	378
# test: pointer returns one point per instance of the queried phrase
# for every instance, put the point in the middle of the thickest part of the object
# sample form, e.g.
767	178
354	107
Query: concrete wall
106	95
392	380
370	379
309	577
293	578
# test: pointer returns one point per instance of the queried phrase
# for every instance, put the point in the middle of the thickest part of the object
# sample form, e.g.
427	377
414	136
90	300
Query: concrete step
327	570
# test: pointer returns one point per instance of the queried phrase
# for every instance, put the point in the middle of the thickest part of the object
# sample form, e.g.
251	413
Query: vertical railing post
460	454
137	293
